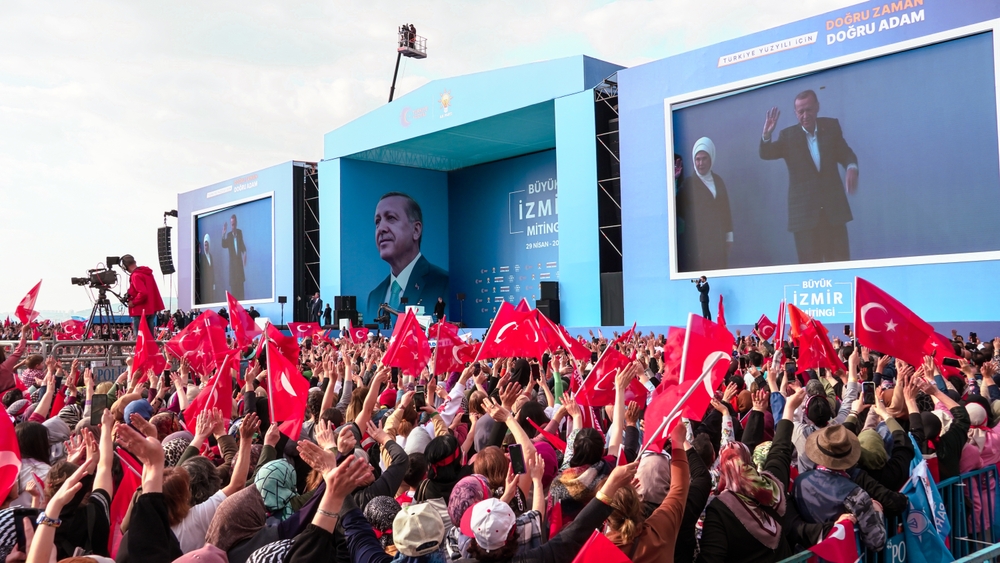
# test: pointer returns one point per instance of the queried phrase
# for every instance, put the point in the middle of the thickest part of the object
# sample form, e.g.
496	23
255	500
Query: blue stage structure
504	167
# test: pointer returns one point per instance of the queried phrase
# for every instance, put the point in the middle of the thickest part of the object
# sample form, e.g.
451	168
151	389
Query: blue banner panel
505	234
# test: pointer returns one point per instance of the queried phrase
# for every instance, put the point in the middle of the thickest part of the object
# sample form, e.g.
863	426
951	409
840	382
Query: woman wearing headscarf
235	523
651	540
747	521
703	205
207	272
33	442
982	450
276	483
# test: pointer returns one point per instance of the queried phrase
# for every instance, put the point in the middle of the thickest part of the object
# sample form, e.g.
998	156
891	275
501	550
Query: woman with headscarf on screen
207	272
703	206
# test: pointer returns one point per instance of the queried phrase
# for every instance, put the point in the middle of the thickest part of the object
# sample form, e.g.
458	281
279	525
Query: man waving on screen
399	228
813	150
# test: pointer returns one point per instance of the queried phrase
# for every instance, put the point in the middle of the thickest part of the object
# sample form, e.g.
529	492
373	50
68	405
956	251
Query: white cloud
109	109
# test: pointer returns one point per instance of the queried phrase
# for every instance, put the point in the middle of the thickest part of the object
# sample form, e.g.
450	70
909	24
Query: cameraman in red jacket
143	295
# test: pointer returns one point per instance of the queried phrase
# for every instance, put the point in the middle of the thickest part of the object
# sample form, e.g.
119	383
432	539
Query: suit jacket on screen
813	192
427	282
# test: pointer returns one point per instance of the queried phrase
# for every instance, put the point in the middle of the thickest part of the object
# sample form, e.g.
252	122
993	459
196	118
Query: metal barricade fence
106	358
971	502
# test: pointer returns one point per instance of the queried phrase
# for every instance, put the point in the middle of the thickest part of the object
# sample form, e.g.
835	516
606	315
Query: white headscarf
977	417
704	144
207	255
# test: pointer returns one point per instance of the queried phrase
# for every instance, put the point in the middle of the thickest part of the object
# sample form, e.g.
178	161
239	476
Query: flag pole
680	403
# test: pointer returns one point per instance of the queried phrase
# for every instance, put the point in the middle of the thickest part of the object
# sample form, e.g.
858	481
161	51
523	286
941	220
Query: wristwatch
43	519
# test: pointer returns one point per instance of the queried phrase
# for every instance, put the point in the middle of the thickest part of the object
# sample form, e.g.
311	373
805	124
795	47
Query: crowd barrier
974	514
105	358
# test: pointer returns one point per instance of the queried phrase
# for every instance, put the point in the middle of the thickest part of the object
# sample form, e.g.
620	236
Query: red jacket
144	296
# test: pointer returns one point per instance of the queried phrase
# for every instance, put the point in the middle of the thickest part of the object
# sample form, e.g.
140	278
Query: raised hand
497	412
249	427
325	435
771	121
760	400
632	414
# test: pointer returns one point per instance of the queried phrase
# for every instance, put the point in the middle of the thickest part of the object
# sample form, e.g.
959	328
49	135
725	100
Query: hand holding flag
26	308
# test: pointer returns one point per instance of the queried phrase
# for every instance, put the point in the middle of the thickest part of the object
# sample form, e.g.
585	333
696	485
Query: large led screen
234	253
890	160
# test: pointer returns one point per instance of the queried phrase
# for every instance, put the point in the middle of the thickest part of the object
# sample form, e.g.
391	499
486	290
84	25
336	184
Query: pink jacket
7	368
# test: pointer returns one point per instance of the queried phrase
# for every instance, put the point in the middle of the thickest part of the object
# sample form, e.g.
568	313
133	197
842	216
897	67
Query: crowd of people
497	462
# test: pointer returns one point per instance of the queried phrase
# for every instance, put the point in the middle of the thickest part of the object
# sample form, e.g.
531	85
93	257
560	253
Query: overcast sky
109	109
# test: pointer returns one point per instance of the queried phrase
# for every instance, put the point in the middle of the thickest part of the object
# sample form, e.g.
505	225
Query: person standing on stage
813	150
144	300
702	284
327	315
233	241
316	308
439	309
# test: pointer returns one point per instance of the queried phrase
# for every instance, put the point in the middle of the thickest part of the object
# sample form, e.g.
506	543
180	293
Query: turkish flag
287	390
673	351
523	306
200	342
704	343
798	320
765	328
73	329
26	308
513	333
600	548
287	346
10	456
358	335
217	394
816	350
447	356
131	480
940	346
840	546
882	323
627	335
408	348
666	408
555	337
147	354
469	352
244	328
598	388
721	316
304	330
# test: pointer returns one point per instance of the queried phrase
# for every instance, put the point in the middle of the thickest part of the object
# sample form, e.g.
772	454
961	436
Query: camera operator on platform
144	299
702	285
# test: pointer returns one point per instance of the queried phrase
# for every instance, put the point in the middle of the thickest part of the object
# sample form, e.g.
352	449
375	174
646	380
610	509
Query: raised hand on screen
771	121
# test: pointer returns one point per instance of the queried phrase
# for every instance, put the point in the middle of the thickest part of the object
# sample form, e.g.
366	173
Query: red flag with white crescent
244	327
26	308
304	330
884	324
512	334
287	390
217	394
408	348
765	328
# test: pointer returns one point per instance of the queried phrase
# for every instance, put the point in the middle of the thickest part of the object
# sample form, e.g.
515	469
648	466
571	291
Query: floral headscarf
276	483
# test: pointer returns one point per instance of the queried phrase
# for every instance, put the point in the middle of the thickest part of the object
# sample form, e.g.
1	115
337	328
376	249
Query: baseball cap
489	522
417	530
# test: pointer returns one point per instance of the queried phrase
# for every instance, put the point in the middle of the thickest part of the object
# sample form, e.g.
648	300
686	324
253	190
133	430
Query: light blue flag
927	523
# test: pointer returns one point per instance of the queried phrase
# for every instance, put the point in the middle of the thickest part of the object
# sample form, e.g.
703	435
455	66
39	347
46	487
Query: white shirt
192	529
813	144
401	279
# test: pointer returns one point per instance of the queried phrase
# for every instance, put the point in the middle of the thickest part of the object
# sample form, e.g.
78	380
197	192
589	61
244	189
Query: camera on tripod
98	278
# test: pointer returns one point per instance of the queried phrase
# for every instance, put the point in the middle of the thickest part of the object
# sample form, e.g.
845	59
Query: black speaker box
345	303
549	308
549	290
163	246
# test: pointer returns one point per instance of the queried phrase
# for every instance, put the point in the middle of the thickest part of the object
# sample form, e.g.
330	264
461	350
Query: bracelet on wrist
327	513
46	521
601	496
